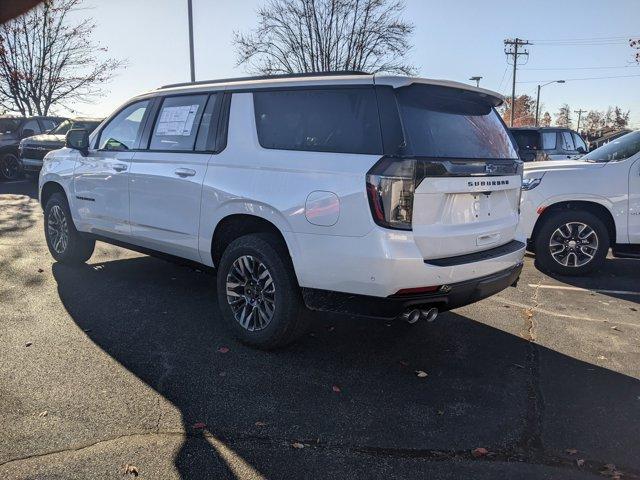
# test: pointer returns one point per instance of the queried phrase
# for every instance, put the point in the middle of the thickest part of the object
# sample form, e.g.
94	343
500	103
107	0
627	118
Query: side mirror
27	132
78	139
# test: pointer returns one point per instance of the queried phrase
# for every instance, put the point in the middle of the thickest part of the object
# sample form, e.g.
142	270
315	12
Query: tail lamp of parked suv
390	187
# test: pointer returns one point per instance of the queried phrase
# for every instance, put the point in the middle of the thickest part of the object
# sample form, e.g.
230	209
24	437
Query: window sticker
177	121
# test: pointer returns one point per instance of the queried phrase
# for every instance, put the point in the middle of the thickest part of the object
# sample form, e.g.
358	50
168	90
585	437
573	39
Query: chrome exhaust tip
429	314
411	316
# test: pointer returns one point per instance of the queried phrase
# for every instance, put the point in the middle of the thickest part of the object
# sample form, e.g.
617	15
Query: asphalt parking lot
119	369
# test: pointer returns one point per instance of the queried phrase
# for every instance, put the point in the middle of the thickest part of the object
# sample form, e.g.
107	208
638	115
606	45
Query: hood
45	138
5	137
563	165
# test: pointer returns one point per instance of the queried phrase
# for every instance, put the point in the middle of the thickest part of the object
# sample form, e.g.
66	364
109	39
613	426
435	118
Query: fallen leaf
601	357
297	445
609	470
223	350
579	462
528	313
43	414
336	389
479	452
571	451
260	424
421	374
28	344
40	270
130	470
615	327
199	425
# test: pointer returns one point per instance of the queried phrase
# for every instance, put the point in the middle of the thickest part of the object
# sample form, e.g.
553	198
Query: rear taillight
390	188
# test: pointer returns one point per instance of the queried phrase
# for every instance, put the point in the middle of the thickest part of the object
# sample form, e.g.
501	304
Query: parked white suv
373	195
574	210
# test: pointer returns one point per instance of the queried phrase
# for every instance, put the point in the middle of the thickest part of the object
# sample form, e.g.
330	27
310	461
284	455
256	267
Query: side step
631	250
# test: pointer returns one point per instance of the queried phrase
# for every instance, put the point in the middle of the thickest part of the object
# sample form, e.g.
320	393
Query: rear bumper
451	296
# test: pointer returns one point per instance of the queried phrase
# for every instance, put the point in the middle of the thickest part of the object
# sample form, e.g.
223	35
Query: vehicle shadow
617	277
485	387
26	186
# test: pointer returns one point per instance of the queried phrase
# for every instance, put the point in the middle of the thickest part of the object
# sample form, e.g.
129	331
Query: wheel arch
594	208
49	188
237	225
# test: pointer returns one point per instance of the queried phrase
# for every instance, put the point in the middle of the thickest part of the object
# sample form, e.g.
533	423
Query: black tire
77	249
546	262
288	318
10	167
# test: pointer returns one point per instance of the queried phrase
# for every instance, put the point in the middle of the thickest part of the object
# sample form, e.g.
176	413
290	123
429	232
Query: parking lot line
587	290
544	311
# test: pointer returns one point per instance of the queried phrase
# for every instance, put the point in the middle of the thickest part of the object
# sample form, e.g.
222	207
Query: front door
634	202
166	179
102	176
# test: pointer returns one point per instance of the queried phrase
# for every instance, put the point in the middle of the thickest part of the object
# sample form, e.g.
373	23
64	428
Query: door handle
184	172
119	167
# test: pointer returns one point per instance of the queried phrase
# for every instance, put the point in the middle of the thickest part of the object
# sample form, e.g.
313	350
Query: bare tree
45	60
563	117
635	44
296	36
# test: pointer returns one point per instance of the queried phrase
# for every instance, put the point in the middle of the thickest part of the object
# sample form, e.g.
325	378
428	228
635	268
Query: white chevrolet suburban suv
372	195
572	211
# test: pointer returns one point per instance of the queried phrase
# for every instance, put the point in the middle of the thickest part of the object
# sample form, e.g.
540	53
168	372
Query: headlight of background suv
531	182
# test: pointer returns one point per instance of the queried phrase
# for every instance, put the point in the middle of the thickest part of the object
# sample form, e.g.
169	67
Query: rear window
330	120
527	139
447	123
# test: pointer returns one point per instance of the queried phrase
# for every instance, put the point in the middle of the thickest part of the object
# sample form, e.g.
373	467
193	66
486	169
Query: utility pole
512	48
191	62
579	112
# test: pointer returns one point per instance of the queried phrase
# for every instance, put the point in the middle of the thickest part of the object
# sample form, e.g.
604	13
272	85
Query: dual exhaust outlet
413	315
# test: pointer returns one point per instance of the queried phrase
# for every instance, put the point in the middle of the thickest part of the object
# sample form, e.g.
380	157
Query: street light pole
538	98
191	61
477	80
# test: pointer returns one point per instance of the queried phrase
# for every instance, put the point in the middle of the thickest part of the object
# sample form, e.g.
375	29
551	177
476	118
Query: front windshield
9	125
614	151
61	129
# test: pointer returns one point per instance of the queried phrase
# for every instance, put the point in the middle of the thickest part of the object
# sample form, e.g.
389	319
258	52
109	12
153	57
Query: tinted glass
31	125
526	139
48	123
208	125
335	120
566	142
447	123
177	123
549	140
618	149
121	132
62	129
9	125
579	142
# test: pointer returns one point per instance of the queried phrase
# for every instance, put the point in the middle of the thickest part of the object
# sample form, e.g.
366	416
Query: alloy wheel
251	293
573	244
58	229
10	167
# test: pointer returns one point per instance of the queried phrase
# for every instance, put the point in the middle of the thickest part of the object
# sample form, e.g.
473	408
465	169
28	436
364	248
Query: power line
612	37
580	79
583	68
511	50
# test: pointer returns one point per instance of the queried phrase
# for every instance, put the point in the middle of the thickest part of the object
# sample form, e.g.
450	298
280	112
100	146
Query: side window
122	131
566	142
332	120
579	142
548	140
177	123
206	140
31	125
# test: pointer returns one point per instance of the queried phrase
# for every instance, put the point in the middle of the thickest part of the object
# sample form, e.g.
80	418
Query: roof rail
266	77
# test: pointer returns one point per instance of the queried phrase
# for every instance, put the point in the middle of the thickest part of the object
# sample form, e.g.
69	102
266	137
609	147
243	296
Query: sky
453	40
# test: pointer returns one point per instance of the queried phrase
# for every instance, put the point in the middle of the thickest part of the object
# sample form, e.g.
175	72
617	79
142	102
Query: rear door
468	180
166	177
101	177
